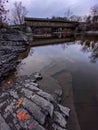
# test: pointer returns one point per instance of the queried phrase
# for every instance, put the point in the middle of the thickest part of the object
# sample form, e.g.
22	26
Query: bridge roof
48	20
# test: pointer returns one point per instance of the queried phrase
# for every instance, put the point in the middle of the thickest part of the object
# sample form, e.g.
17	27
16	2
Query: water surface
79	58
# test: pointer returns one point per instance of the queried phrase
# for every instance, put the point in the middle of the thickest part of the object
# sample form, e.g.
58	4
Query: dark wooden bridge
45	27
46	22
55	27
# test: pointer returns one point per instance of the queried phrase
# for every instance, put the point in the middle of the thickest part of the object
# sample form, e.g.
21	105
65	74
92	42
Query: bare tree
3	10
94	10
94	13
87	19
18	13
76	18
68	13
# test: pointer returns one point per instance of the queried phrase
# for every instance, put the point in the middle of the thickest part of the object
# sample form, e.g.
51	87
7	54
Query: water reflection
36	58
76	58
90	46
87	46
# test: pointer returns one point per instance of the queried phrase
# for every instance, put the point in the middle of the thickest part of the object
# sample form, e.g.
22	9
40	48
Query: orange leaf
20	101
9	82
22	116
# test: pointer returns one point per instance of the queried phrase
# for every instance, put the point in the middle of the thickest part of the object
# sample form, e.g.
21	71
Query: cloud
48	8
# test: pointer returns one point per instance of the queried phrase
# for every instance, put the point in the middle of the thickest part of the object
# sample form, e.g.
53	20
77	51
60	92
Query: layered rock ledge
8	59
12	37
11	43
24	96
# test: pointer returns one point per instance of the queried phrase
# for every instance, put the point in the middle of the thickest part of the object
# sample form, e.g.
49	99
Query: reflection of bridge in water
60	28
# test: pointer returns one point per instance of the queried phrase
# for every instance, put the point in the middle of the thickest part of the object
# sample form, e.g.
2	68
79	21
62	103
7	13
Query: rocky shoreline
8	59
11	43
23	105
42	111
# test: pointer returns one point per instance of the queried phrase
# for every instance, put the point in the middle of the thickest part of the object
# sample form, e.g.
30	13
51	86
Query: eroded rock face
10	36
43	110
11	43
8	59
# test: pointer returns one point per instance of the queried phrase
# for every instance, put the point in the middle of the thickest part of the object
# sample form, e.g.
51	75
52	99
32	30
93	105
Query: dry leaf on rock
22	116
9	82
20	102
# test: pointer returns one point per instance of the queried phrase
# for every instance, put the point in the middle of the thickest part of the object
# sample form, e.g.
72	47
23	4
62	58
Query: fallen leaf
9	82
22	116
20	102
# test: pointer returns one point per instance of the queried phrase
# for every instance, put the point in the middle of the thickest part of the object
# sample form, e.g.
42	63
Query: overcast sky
49	8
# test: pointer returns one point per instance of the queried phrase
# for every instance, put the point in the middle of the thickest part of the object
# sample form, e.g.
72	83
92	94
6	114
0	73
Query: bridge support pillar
60	33
29	33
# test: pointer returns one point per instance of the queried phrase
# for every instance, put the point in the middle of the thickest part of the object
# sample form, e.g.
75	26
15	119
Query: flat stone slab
43	103
35	110
59	119
24	106
3	124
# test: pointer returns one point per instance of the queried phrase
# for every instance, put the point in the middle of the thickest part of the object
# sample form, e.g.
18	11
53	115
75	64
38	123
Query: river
73	67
